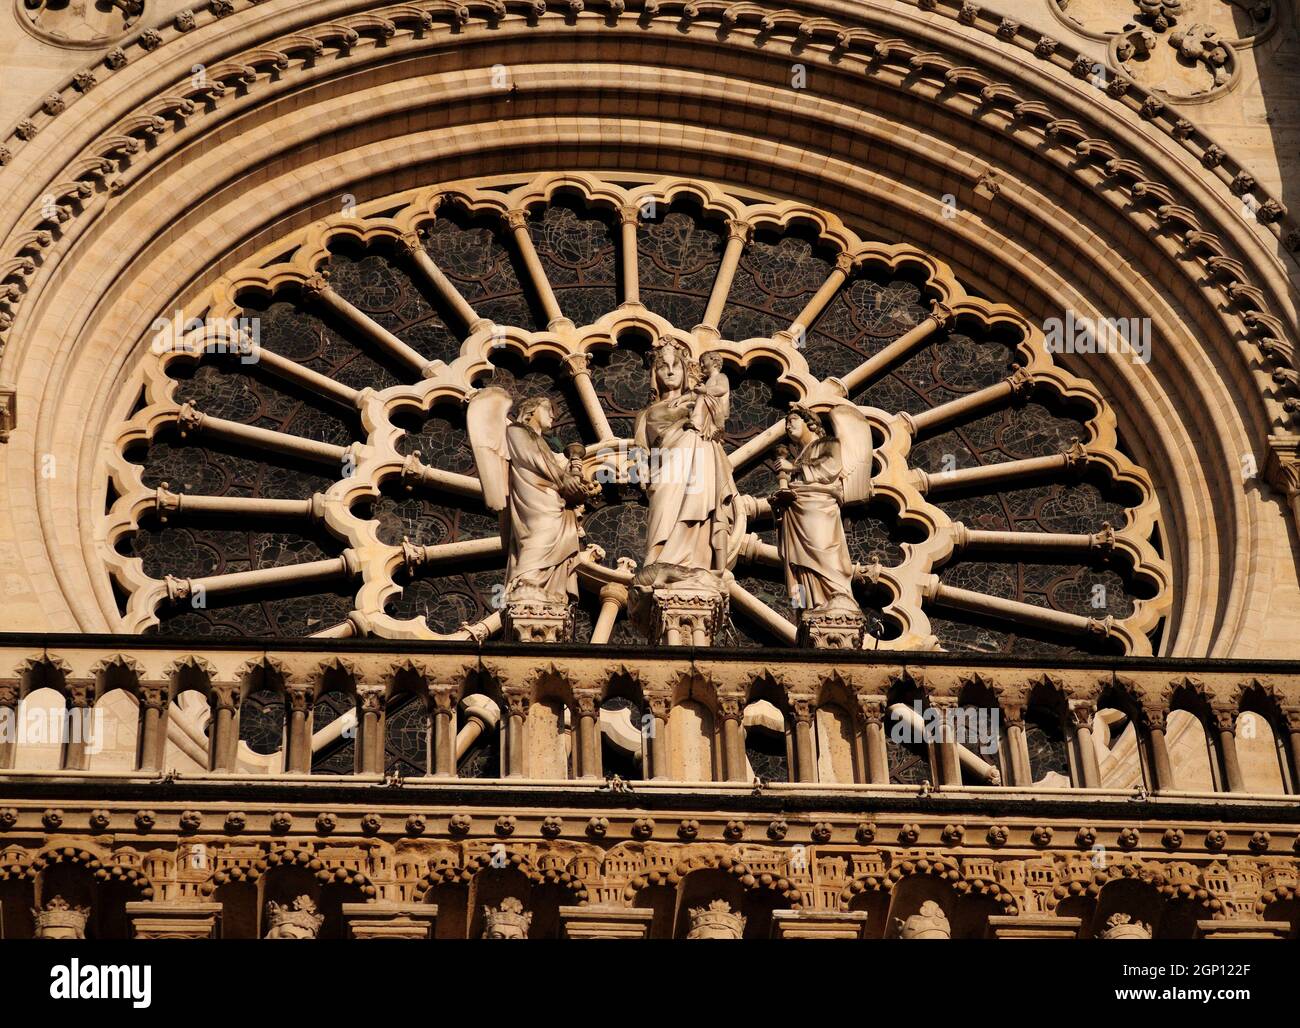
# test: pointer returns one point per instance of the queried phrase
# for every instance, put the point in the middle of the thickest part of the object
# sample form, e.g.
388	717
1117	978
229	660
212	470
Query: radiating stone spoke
1039	544
434	277
1016	611
555	319
755	608
993	475
179	589
416	471
1017	384
167	503
739	235
192	421
318	291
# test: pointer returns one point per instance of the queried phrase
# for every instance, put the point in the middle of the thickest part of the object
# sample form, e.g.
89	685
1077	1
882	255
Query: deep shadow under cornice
760	657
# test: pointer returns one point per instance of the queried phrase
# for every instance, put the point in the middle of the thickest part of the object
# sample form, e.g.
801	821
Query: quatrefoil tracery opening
327	487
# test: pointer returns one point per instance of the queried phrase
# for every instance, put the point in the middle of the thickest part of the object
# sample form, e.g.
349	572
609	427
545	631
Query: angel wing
486	419
854	434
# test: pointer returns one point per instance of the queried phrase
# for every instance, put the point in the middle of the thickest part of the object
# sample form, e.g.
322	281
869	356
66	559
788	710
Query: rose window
299	461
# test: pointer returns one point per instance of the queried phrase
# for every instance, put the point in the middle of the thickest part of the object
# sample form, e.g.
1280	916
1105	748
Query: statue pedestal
605	922
686	617
538	621
834	629
818	924
173	920
390	920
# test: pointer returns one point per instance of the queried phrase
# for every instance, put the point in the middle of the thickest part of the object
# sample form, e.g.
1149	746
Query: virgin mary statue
691	492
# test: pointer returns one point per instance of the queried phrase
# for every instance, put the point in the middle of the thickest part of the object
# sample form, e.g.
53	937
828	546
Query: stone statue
930	922
1122	926
829	465
297	920
60	920
692	496
716	921
508	921
535	491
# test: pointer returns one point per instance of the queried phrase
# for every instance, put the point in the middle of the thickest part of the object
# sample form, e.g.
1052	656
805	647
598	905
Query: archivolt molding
1090	137
810	37
912	586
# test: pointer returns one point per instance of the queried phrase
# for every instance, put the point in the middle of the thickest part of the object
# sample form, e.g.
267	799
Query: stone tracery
273	461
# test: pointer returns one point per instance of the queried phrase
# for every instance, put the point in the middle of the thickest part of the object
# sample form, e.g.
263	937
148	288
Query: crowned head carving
507	921
716	921
1122	926
929	922
61	920
297	920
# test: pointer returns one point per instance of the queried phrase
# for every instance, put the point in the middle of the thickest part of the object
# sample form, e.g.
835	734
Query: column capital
301	696
517	219
738	228
370	698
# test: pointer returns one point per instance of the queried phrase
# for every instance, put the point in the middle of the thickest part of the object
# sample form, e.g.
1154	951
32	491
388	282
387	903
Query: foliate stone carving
236	821
297	920
929	922
99	820
190	821
8	818
688	829
1122	926
716	921
416	824
80	25
1216	839
60	920
508	921
459	824
598	827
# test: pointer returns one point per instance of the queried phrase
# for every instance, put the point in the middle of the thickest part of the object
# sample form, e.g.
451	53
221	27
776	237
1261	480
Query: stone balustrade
964	722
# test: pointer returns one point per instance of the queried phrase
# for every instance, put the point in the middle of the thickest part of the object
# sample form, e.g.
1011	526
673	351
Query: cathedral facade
673	469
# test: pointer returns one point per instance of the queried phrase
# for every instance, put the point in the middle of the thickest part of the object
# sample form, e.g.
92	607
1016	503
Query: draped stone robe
814	550
543	530
691	491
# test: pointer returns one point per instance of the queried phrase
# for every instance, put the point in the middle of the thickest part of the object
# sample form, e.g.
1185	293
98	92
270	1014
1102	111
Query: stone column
629	218
1225	719
605	922
945	747
368	752
739	233
443	701
516	712
10	699
1013	715
153	920
586	705
873	721
1081	715
656	761
731	709
81	703
390	920
1293	733
154	700
1162	767
299	698
805	750
518	222
223	733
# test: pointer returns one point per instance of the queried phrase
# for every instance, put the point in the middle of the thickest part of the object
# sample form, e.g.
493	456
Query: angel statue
829	465
533	490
